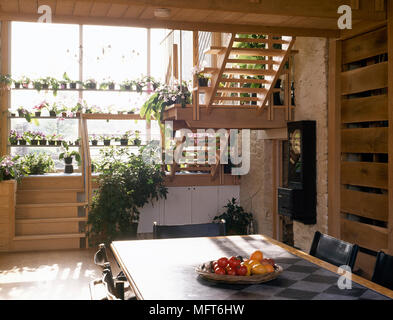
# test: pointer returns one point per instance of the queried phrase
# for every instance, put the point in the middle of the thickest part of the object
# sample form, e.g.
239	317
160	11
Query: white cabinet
185	205
177	206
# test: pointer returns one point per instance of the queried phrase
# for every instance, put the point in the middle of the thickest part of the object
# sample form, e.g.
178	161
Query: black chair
383	270
334	251
114	288
189	230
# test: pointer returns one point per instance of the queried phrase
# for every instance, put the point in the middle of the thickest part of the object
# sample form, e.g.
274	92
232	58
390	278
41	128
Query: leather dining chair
189	230
333	250
383	270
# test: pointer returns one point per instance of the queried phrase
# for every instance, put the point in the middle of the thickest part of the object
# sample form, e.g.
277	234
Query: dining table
165	269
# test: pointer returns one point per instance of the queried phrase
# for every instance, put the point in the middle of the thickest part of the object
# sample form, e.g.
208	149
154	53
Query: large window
83	52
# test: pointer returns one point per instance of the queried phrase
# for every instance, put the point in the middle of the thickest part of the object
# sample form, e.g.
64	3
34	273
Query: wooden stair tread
253	40
50	190
41	205
242	90
50	220
258	52
209	70
50	236
232	106
237	98
253	61
234	80
214	50
258	72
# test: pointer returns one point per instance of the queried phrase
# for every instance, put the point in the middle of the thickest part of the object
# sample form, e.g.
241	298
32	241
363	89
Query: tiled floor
51	275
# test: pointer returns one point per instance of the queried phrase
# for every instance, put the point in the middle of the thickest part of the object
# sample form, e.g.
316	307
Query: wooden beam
334	143
5	94
390	112
302	8
179	25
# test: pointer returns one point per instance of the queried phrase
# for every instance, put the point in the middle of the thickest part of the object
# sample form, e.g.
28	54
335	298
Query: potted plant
24	82
137	140
238	222
106	140
42	139
24	113
11	168
41	84
38	163
124	138
125	184
77	141
126	85
132	111
203	81
53	109
59	140
94	139
36	137
107	84
6	81
68	156
39	107
148	80
51	139
90	84
13	137
72	83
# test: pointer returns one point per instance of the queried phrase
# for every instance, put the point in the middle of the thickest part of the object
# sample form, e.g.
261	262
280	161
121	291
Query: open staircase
241	67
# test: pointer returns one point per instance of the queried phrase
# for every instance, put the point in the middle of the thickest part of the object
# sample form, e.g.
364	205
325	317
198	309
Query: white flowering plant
11	168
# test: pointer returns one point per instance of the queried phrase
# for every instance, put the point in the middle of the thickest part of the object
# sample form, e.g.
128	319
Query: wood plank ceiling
306	17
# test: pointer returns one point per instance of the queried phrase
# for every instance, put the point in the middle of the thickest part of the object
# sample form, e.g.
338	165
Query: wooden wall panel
366	174
365	235
365	46
364	79
365	135
364	140
365	204
373	108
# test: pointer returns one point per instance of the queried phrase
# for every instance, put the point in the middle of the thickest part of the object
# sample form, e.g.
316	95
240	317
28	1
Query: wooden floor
50	275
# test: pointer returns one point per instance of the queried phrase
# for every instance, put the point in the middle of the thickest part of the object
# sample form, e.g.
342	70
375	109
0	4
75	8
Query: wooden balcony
228	117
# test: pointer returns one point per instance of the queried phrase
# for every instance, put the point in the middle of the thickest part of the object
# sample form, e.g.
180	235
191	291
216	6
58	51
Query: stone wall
256	194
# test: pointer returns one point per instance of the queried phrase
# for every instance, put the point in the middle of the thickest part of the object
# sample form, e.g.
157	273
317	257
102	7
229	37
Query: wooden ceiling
301	17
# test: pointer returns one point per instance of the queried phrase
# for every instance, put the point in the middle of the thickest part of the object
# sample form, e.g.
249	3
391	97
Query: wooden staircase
50	214
244	86
264	65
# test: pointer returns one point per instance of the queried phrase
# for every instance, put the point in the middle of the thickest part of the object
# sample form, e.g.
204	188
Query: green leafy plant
24	113
38	163
67	154
6	80
237	220
107	84
125	184
90	84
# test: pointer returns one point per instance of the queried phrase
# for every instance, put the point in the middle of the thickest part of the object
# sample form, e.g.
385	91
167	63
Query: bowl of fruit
238	270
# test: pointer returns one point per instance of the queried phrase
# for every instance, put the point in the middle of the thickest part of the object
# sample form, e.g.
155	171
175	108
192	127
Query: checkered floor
301	280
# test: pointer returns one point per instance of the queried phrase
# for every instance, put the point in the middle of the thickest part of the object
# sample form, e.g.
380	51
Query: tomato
231	272
241	271
271	261
222	262
234	262
219	270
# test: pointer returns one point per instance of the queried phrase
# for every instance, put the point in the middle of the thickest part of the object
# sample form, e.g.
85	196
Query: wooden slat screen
364	143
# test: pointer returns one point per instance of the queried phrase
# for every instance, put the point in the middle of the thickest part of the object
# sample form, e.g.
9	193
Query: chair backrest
189	230
100	257
383	270
334	251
